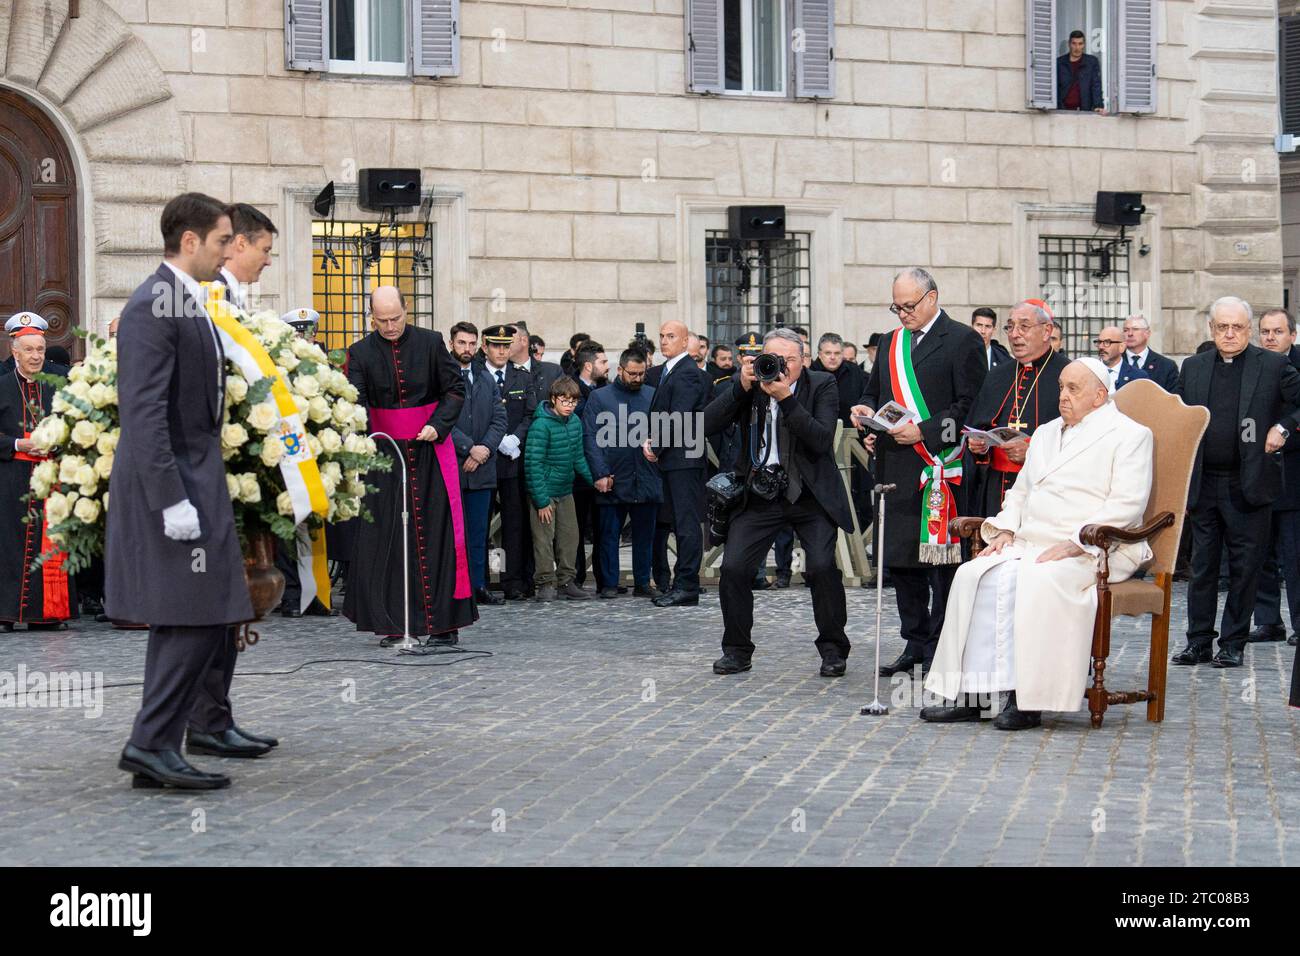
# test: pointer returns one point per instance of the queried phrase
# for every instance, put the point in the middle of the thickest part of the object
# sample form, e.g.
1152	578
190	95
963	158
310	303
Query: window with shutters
1091	55
1288	81
373	37
777	48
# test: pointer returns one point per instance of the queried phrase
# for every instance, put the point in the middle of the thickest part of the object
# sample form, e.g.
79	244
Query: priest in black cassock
412	389
38	597
1019	394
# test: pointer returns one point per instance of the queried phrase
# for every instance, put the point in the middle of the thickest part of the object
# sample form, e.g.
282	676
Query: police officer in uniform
515	390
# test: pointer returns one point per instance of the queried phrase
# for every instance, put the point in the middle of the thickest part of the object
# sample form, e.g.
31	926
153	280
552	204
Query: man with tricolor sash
933	367
41	597
412	390
172	555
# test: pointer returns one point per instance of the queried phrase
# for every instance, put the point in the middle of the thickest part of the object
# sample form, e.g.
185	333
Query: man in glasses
1161	370
1021	394
933	366
1254	400
1110	349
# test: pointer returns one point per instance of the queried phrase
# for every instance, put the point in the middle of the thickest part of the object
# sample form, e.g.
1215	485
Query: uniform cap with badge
25	323
499	335
751	343
304	321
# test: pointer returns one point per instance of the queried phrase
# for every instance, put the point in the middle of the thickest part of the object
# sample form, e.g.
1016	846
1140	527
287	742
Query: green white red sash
938	472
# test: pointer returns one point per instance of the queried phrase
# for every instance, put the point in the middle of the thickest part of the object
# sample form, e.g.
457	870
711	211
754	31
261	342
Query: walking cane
876	708
408	641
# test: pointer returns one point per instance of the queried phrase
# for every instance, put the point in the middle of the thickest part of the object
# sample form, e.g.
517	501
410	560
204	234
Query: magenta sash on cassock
404	424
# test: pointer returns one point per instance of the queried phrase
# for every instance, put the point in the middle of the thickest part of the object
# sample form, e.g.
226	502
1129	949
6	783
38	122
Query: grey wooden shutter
814	64
1040	53
704	33
307	34
1288	51
435	37
1137	56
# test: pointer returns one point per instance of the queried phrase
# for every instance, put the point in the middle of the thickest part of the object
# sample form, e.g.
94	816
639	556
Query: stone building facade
575	176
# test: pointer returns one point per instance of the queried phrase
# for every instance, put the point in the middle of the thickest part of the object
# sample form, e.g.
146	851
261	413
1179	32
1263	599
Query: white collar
238	290
526	364
190	283
672	362
1141	356
494	368
924	330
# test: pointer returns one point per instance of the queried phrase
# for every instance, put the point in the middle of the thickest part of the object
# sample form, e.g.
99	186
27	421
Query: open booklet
995	437
889	416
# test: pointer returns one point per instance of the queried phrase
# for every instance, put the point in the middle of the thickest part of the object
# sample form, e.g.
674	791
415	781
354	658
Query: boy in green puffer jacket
552	456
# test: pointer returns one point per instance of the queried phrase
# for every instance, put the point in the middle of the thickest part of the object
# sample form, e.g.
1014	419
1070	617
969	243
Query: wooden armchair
1176	429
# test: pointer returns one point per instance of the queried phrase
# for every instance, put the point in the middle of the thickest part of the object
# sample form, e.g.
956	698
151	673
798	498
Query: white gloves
509	446
181	521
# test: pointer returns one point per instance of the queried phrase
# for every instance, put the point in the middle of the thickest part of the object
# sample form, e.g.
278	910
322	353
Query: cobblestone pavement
596	733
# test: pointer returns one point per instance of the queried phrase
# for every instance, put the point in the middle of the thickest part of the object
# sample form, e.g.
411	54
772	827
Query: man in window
1078	79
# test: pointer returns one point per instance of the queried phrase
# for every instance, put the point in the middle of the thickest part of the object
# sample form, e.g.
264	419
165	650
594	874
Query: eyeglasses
1225	328
908	309
1021	326
562	400
1107	341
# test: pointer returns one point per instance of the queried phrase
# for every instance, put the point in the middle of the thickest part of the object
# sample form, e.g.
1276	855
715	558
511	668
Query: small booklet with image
995	437
889	416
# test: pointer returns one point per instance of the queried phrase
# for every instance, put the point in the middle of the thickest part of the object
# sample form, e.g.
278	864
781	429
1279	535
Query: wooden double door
38	223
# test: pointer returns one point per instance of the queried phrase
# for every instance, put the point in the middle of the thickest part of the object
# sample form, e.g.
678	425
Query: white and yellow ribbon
298	466
313	567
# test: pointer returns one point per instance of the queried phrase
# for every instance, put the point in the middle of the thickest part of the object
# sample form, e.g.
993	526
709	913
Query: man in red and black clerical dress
1020	394
38	597
413	391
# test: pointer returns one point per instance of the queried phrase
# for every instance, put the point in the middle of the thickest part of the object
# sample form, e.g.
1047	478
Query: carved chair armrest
967	528
1104	535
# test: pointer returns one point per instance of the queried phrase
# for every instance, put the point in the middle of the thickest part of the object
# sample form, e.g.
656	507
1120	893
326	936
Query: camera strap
753	440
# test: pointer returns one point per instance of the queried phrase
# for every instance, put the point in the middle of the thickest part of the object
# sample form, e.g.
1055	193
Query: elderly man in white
1020	616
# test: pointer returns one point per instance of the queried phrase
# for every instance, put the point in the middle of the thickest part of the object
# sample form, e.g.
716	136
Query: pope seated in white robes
1019	622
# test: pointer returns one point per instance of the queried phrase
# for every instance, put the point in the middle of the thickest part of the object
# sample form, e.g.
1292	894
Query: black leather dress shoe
1292	639
317	609
7	627
290	612
1229	657
832	666
731	664
227	743
903	663
950	715
677	599
484	596
391	640
1192	654
1013	718
516	594
646	591
166	768
760	583
255	738
1267	632
608	593
450	639
782	579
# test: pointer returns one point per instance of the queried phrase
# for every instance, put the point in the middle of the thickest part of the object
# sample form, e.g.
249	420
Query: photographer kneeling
786	417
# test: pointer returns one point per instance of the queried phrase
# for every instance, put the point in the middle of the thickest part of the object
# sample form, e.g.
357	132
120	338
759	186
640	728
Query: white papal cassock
1014	624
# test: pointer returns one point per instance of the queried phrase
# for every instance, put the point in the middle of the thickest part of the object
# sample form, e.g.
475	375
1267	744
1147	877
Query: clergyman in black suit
1254	399
949	364
1139	356
787	432
681	392
172	557
1277	333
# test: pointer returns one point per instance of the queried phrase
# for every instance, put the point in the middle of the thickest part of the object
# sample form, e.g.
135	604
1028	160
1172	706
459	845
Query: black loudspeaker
382	189
756	222
1119	209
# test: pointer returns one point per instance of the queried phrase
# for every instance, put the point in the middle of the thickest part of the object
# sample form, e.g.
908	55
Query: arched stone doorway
39	226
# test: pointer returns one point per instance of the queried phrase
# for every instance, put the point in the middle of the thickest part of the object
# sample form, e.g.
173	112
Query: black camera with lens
769	482
769	367
725	495
640	340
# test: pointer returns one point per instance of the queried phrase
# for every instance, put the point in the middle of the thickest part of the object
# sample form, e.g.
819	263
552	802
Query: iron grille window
757	286
349	258
1085	282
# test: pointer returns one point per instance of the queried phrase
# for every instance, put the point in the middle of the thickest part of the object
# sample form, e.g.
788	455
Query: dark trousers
287	563
1222	519
1281	564
516	535
476	505
641	518
683	501
584	504
178	663
922	595
752	532
212	711
783	547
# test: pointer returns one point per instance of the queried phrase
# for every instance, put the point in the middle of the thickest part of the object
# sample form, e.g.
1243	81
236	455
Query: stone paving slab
597	734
